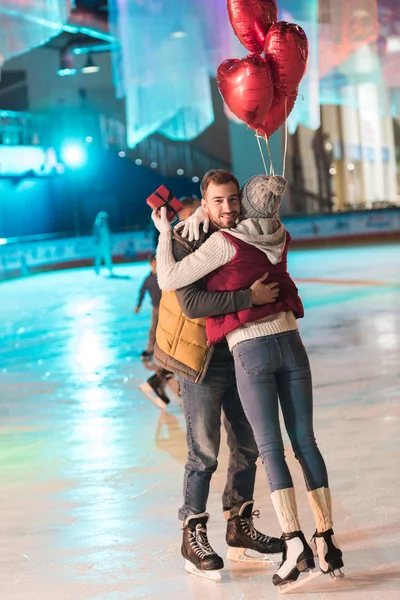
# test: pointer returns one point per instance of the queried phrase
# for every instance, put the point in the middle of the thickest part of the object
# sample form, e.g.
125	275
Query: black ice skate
330	556
201	559
153	389
243	538
297	558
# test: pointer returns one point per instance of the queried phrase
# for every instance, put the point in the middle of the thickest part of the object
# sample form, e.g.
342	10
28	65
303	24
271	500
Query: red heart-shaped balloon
286	51
282	106
251	20
247	88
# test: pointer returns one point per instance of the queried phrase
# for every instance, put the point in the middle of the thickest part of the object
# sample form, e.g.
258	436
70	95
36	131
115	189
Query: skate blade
337	574
214	576
290	586
148	391
244	555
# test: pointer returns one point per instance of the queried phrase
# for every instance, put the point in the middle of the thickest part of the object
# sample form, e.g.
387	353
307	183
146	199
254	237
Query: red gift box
164	197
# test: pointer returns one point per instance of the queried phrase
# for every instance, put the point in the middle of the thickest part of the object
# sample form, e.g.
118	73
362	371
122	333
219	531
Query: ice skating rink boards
91	471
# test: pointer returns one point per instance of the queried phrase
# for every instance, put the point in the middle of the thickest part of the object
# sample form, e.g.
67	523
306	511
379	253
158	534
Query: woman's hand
160	221
191	226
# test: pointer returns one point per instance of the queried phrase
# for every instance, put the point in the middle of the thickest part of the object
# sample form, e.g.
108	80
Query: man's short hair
219	177
189	201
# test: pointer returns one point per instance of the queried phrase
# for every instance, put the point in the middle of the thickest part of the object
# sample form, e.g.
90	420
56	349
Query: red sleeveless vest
249	264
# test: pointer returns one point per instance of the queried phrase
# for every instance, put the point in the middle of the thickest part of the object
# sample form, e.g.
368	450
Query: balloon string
286	140
261	152
271	165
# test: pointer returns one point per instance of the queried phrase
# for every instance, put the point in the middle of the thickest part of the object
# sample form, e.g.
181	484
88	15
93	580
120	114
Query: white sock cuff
284	502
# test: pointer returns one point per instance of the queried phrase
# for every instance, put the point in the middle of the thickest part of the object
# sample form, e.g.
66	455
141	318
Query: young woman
270	359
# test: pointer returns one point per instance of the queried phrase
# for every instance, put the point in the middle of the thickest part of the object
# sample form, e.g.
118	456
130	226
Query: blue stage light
74	155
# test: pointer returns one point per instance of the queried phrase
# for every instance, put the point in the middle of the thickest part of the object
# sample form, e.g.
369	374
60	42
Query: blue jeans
202	404
272	367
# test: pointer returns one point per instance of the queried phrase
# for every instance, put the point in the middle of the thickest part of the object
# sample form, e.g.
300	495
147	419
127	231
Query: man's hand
264	294
137	309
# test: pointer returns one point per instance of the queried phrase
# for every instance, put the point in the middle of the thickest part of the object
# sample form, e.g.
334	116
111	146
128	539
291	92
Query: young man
154	387
208	386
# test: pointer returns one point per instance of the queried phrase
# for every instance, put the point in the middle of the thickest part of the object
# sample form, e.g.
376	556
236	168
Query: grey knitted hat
261	196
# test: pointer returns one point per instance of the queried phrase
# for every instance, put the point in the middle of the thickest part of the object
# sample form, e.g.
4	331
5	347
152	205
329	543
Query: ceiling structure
175	45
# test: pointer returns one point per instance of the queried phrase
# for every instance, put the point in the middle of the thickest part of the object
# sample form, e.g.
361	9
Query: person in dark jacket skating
151	286
154	387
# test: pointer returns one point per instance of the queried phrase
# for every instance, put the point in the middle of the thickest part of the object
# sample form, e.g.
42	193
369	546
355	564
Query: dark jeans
202	404
277	366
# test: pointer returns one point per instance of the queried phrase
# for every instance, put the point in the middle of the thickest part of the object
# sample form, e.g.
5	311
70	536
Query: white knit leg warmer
285	506
321	505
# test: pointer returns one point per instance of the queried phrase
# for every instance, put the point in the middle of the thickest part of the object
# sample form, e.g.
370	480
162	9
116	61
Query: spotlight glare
74	156
138	161
121	154
195	179
180	171
153	165
350	167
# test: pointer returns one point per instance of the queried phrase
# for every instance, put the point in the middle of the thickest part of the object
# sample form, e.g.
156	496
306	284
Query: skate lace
199	542
249	529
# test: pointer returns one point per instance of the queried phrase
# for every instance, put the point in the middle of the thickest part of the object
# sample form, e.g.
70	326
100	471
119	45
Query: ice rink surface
91	471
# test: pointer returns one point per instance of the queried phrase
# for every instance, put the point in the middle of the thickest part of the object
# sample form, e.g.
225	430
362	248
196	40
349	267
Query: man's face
222	204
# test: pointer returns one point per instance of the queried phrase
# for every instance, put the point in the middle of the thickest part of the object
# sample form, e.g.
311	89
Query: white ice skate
297	567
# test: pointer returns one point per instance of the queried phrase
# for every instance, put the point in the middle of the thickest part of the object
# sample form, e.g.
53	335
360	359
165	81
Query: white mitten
160	221
191	226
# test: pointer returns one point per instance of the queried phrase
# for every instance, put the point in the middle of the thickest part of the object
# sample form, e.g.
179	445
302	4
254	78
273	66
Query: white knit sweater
215	252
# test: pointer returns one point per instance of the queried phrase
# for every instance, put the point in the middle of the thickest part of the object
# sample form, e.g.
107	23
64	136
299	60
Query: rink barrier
23	256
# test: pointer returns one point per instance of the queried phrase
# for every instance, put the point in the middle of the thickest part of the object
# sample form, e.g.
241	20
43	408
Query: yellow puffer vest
181	343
